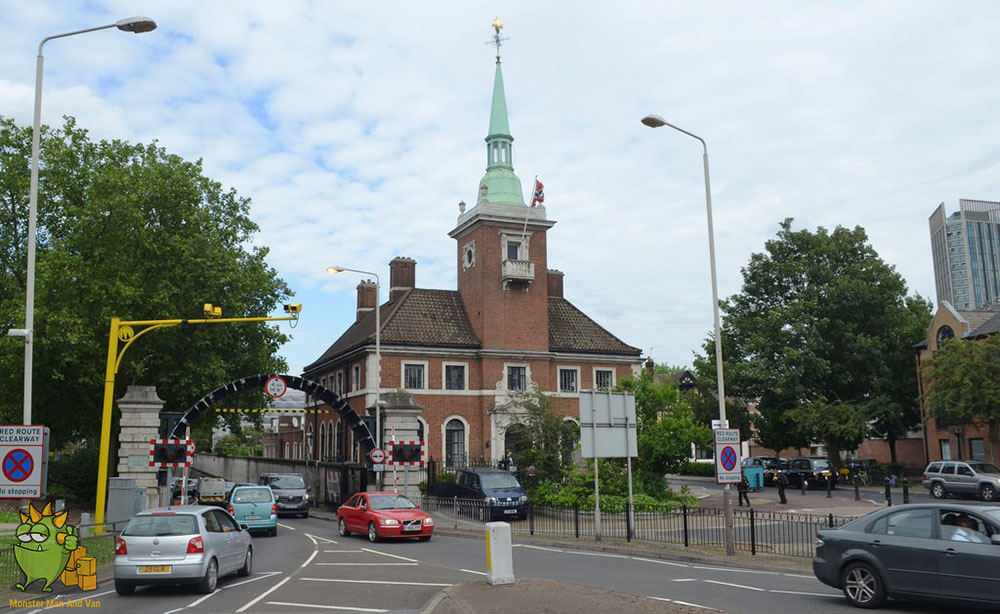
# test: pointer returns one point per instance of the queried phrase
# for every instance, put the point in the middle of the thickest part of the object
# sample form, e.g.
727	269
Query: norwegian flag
539	196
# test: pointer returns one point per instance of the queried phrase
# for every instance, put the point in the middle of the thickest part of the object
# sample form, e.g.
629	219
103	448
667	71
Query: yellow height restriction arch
126	333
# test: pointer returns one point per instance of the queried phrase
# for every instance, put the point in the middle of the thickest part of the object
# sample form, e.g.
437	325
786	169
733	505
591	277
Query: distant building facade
966	250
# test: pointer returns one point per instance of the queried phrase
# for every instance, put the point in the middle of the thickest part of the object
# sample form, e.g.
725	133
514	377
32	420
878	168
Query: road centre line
693	605
763	573
339	551
262	595
774	590
325	607
285	526
749	588
478	573
311	557
62	603
371	564
685	579
371	582
395	556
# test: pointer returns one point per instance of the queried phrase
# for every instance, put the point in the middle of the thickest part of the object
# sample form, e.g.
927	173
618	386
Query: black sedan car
931	552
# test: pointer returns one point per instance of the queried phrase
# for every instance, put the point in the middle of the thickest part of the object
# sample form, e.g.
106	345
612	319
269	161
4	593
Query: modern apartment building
966	250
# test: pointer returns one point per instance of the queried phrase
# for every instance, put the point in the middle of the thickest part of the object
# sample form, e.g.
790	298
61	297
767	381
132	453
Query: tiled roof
570	330
437	318
977	318
421	317
989	327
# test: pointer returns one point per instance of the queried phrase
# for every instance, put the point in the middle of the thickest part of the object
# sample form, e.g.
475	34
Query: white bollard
499	556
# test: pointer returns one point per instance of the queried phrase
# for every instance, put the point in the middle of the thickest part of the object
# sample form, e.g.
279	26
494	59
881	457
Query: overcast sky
357	127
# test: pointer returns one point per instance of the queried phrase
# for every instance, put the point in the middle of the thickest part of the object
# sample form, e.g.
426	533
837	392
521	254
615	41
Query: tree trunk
891	438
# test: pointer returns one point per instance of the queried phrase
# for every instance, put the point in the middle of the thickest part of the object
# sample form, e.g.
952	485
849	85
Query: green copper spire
502	185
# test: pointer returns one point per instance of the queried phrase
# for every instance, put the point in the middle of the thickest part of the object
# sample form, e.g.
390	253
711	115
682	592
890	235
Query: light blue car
256	507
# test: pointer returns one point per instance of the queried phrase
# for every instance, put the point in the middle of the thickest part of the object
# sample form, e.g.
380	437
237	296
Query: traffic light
406	453
170	453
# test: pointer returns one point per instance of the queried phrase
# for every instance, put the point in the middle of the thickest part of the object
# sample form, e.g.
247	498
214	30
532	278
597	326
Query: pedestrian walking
782	484
744	490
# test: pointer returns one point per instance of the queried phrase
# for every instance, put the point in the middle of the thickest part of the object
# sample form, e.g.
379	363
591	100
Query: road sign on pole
377	456
727	456
23	461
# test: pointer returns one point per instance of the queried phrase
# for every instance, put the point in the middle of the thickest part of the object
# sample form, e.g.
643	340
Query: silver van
962	477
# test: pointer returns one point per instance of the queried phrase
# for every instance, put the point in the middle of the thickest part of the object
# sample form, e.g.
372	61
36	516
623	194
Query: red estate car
382	515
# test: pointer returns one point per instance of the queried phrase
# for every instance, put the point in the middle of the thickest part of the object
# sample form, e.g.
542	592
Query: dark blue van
501	493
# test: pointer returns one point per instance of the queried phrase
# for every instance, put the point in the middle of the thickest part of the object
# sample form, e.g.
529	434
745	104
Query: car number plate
253	517
415	529
154	569
510	511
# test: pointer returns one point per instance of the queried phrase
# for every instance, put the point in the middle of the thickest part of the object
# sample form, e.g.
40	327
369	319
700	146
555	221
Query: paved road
308	568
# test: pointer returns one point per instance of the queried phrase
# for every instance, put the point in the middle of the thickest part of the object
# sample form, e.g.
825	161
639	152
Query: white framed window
514	246
517	377
286	451
340	383
455	376
308	448
422	431
414	375
454	437
569	379
604	379
322	441
356	377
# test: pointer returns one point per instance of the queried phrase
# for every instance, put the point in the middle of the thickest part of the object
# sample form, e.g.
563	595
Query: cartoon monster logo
44	546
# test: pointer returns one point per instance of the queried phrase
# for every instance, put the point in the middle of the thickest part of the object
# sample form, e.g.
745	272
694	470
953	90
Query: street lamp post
655	121
378	347
137	25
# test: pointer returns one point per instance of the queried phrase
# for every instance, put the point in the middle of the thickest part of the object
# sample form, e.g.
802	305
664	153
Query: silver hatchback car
181	545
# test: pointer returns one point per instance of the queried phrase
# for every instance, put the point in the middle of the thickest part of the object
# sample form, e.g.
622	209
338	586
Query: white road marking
311	557
804	593
285	526
749	588
371	582
659	562
372	564
693	605
795	575
337	551
585	553
395	556
262	595
312	539
478	573
541	548
325	607
685	580
323	539
763	573
260	576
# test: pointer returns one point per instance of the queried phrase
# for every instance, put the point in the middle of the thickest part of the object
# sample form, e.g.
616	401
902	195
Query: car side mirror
244	527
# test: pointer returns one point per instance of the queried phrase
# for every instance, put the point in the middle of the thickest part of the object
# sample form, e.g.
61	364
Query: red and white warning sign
727	456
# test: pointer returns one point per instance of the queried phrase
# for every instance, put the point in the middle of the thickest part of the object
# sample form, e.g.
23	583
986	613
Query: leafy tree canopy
821	321
132	231
961	385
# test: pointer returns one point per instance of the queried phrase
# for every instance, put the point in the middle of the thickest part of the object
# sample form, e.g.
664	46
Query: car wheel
342	528
862	586
372	532
124	589
274	531
247	564
207	585
988	492
937	489
424	538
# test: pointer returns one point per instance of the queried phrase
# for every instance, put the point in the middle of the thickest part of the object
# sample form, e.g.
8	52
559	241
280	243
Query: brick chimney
555	283
402	276
650	365
367	298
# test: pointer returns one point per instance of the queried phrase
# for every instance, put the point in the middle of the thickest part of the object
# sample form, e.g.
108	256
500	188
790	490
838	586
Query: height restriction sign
727	456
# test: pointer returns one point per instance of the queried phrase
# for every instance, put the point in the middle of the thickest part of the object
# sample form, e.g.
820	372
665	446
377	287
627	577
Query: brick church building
463	353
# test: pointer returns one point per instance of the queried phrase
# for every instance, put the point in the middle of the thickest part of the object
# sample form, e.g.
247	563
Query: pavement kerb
664	551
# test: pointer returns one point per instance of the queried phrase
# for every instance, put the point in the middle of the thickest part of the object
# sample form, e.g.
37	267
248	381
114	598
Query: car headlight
819	543
306	498
428	522
388	522
491	501
524	498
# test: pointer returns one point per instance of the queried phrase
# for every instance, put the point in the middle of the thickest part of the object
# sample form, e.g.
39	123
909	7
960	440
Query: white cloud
356	128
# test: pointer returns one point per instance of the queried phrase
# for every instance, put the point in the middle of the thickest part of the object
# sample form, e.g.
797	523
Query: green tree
666	428
541	434
961	385
819	326
127	230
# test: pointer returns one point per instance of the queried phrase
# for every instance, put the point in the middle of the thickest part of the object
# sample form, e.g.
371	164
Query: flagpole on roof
527	211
